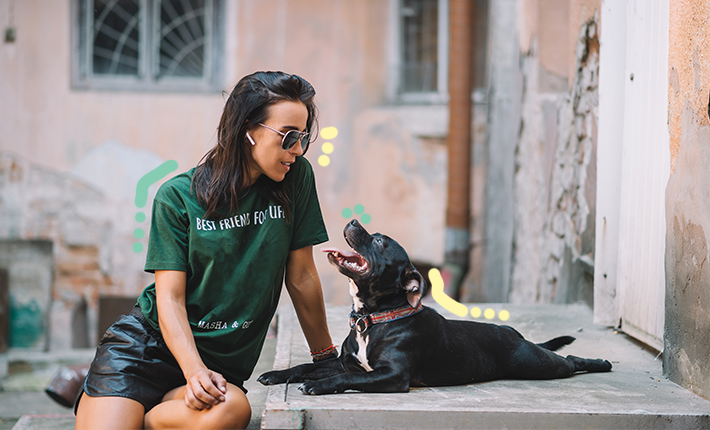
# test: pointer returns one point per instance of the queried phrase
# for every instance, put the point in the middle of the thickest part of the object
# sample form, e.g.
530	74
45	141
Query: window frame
82	77
441	95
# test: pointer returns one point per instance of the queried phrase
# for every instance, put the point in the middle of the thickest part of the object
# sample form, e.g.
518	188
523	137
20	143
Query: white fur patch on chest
361	355
358	305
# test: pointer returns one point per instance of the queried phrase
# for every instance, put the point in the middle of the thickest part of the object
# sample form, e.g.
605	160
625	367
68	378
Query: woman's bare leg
173	413
106	413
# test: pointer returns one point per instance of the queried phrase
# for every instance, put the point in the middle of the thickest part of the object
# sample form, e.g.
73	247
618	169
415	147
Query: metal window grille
419	28
183	38
147	44
116	36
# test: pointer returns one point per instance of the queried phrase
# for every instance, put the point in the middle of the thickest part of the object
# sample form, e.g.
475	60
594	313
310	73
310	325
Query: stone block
29	264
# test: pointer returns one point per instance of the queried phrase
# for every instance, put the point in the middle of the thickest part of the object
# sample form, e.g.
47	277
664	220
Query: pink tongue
345	254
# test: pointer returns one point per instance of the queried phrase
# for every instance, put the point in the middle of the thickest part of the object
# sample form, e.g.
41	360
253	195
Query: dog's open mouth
349	260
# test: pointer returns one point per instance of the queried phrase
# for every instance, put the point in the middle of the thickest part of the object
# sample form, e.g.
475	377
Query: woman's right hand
204	389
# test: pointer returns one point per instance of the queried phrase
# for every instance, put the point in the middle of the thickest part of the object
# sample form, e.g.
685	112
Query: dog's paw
273	378
314	388
599	365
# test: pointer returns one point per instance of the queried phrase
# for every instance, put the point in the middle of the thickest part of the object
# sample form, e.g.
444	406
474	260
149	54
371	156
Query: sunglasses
291	137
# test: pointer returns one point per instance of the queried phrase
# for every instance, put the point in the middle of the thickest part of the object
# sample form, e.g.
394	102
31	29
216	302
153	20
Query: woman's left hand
303	285
205	389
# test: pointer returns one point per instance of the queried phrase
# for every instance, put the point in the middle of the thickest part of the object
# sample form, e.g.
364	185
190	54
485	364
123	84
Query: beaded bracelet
321	354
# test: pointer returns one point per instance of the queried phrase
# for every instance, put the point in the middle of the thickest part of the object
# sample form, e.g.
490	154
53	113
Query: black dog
395	342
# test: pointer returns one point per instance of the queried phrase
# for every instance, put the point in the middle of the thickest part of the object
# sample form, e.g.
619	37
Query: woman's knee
173	412
234	412
108	412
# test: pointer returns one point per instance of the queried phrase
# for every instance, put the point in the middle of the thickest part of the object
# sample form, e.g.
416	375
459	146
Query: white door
635	207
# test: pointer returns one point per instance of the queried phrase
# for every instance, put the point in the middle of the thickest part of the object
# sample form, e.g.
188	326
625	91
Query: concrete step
23	402
45	422
634	395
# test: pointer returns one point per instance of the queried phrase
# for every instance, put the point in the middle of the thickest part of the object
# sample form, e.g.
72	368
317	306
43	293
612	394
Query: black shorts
133	361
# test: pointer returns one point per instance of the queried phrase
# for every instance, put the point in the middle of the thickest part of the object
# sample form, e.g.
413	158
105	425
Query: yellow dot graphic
437	292
327	148
329	133
323	160
476	312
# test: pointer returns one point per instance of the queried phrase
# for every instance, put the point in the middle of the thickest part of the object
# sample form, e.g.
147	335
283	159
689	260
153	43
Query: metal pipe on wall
457	241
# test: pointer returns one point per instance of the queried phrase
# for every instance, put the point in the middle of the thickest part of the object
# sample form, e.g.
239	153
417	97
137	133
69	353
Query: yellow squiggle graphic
456	308
437	291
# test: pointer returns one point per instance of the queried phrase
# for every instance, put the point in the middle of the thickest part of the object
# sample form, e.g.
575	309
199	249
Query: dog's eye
378	241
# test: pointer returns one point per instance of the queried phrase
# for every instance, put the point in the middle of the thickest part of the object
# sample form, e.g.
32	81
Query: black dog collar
361	323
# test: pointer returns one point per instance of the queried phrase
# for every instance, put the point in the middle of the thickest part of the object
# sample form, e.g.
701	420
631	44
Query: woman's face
267	156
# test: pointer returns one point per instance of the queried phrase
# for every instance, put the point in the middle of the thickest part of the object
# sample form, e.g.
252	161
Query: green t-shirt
234	263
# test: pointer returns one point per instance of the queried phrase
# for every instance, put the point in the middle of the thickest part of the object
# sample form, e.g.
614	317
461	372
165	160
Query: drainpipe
457	239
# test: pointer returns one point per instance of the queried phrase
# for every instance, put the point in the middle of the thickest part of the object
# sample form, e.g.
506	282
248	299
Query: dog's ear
414	285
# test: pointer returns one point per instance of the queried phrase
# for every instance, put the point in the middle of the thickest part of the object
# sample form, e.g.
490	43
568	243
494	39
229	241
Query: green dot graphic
359	209
137	247
347	213
138	233
365	218
140	217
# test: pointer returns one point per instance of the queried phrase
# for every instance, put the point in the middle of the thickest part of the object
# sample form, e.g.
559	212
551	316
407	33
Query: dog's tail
557	343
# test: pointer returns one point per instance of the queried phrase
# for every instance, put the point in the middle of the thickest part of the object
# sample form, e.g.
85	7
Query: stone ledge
634	395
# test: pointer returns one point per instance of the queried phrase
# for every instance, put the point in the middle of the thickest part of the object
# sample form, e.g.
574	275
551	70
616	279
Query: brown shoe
66	385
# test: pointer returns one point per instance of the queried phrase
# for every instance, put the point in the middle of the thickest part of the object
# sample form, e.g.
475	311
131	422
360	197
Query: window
419	33
148	44
421	41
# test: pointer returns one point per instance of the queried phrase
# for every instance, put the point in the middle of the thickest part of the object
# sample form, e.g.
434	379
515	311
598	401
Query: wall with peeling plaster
85	149
534	145
687	345
565	187
81	225
540	248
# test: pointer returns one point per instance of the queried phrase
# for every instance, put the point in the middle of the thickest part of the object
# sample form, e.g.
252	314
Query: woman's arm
204	387
303	285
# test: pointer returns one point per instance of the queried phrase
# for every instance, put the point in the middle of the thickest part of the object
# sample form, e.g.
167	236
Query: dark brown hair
224	171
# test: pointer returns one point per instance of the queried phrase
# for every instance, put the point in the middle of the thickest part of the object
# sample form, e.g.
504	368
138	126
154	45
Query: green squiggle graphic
150	178
142	195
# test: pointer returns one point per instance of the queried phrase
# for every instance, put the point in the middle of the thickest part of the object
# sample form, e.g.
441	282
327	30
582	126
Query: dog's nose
354	222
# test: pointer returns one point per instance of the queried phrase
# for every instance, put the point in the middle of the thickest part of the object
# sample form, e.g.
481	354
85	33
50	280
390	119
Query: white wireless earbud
250	139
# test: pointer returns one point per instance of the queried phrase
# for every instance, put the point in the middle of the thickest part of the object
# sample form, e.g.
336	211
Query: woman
222	238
